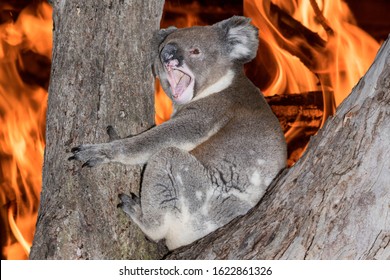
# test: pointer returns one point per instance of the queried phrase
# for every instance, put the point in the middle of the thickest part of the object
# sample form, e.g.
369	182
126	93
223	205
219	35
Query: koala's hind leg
173	195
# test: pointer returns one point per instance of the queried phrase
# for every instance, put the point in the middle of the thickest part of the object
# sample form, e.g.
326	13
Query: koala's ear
241	38
160	35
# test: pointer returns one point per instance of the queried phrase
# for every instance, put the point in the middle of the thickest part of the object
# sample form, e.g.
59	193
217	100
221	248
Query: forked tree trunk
101	75
334	203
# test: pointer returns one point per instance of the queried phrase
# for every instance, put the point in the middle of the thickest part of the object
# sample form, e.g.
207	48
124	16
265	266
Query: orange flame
22	121
333	61
162	105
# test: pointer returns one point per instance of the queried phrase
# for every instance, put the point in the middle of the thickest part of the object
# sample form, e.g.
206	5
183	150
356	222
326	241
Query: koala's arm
182	132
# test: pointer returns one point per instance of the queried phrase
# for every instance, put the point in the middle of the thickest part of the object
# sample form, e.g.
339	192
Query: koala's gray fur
215	157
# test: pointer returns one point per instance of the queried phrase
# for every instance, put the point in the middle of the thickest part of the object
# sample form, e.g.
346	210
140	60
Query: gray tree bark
334	203
101	75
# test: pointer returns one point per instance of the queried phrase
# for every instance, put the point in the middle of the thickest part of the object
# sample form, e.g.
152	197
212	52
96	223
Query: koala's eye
195	51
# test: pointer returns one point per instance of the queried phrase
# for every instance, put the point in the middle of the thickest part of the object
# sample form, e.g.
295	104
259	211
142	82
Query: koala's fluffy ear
241	38
160	35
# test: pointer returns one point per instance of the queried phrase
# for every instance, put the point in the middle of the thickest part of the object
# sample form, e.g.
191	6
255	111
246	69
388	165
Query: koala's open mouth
181	81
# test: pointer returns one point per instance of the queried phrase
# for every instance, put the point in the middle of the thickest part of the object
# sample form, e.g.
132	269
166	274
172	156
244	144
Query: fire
162	106
336	57
22	123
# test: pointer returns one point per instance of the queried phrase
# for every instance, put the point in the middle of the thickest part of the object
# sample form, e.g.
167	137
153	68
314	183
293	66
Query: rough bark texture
101	76
334	203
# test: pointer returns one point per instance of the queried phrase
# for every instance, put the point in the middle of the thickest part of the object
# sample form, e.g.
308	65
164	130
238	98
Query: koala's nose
168	53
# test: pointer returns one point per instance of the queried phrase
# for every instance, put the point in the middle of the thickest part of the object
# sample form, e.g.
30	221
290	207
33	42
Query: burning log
334	202
292	109
300	116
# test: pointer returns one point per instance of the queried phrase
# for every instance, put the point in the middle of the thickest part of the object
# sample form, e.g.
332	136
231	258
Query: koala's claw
130	205
135	198
91	163
75	149
112	134
125	199
71	158
90	155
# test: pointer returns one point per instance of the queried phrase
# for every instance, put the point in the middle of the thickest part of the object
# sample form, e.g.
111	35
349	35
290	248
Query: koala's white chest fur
224	82
215	158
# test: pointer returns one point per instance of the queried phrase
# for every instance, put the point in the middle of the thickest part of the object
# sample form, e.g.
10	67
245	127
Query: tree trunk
334	203
101	75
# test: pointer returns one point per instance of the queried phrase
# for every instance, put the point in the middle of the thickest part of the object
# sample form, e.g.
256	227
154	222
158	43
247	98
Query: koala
214	159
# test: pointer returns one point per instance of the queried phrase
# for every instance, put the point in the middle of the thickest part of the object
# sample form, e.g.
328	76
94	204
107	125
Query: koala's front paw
90	154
